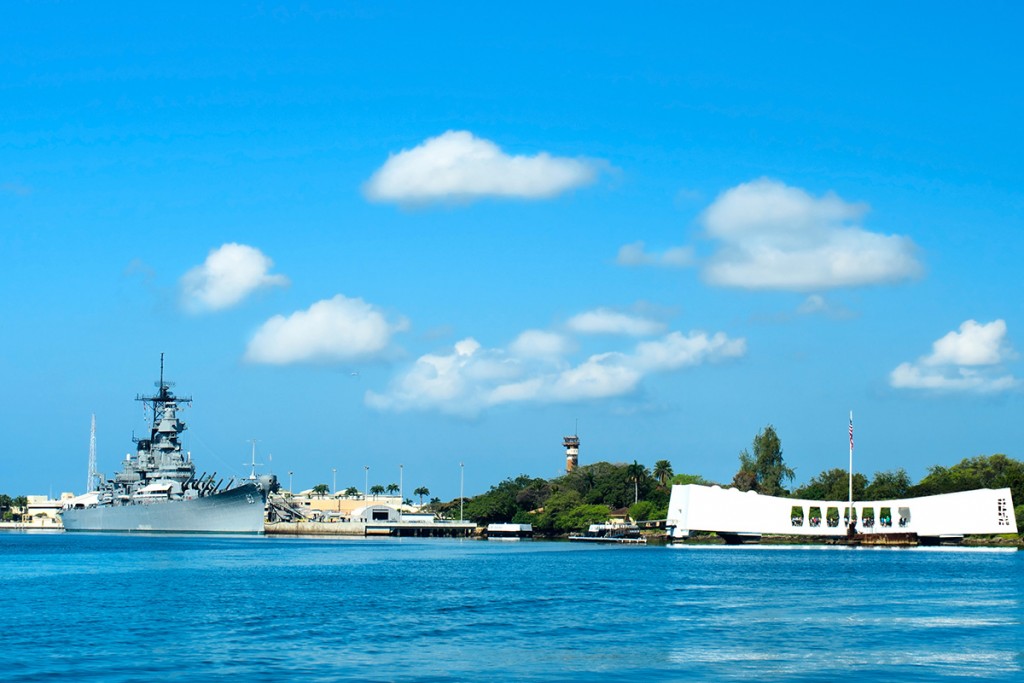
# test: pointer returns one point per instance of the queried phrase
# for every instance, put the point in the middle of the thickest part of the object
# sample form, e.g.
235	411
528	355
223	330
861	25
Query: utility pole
462	477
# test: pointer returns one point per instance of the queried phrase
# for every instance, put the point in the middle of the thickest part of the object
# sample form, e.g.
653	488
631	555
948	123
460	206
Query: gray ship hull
235	511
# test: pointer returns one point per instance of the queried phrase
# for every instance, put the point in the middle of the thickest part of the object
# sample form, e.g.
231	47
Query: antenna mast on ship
164	394
253	464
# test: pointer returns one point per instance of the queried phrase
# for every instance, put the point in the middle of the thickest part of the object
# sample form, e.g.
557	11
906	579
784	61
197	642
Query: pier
418	529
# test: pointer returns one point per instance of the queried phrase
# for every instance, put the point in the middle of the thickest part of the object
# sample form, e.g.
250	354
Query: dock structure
438	528
744	516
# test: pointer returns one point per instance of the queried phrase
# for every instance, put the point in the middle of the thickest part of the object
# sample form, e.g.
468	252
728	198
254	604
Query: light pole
462	476
290	492
366	480
401	493
334	481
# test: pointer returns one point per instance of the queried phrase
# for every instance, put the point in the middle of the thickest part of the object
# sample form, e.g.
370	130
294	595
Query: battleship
157	489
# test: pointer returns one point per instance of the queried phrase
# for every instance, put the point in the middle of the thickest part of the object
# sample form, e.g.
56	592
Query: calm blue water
135	608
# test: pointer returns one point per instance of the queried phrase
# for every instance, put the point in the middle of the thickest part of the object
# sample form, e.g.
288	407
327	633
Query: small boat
509	531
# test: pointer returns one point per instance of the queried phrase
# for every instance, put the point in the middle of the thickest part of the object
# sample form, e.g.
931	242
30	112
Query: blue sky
393	235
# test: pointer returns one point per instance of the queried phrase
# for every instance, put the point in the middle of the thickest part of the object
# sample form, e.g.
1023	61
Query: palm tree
663	471
351	491
320	490
635	473
376	490
392	489
421	491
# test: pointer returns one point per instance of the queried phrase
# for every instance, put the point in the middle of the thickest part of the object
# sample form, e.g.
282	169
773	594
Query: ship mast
254	464
164	394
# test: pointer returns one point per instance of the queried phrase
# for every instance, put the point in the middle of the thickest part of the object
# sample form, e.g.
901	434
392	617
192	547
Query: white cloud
230	273
636	255
607	321
459	166
675	350
968	360
329	330
974	344
773	236
540	344
816	304
470	379
454	383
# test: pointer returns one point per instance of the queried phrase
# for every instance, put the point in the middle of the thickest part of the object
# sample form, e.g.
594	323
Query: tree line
571	502
323	491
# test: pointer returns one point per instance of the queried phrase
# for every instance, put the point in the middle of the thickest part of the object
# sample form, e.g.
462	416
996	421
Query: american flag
851	433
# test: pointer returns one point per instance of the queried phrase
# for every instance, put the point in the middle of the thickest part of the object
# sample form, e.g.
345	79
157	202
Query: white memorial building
748	515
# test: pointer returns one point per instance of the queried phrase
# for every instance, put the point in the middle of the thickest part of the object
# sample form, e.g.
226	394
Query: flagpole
852	517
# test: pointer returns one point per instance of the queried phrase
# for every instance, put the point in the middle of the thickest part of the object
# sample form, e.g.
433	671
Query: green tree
421	491
890	485
580	517
833	484
376	490
351	491
533	495
645	509
393	489
321	490
663	471
499	503
558	503
635	473
981	472
683	479
605	483
745	478
20	502
765	471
